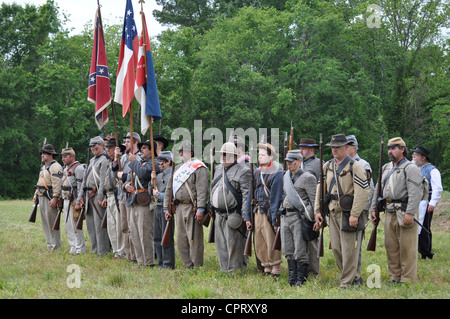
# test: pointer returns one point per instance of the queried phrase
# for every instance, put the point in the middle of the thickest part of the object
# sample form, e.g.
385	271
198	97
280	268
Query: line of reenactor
132	204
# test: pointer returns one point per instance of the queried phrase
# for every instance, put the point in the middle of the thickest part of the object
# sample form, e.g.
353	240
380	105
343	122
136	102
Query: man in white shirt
426	208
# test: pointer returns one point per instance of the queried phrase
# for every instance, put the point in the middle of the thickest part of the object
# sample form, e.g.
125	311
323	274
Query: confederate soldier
125	212
71	183
91	195
241	148
142	208
297	217
312	165
402	190
347	190
48	190
161	142
114	219
353	153
229	193
268	190
164	253
426	209
190	191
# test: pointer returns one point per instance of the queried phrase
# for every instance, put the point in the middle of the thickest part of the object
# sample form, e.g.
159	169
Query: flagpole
150	118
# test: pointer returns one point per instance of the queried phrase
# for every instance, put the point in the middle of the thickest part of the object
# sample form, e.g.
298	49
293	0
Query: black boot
302	273
292	265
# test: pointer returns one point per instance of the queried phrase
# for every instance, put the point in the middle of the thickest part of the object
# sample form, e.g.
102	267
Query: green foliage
235	64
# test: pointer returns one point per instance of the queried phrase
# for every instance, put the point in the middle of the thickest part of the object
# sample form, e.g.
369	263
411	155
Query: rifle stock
166	236
277	240
371	246
58	217
32	218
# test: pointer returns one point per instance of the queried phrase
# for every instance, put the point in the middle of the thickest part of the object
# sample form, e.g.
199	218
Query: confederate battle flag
99	91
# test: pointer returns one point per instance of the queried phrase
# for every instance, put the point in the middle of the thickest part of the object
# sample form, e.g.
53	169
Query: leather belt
185	202
141	190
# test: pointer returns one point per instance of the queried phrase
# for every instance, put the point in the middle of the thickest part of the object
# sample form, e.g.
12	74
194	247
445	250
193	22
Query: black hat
112	143
49	149
338	140
422	150
147	142
161	139
308	142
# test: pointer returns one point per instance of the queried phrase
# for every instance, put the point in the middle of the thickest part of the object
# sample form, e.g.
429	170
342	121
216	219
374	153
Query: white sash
183	173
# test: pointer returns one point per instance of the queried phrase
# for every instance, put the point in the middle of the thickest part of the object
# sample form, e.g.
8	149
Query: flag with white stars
126	72
99	91
145	89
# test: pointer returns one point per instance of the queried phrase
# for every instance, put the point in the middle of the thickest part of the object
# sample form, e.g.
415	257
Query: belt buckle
388	200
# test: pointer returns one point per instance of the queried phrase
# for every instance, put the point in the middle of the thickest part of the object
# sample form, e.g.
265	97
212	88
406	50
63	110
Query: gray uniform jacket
305	185
222	198
162	180
142	172
313	166
72	180
405	182
94	176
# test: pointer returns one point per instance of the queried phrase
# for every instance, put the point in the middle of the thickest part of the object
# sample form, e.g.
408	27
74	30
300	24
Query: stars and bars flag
99	91
127	61
145	89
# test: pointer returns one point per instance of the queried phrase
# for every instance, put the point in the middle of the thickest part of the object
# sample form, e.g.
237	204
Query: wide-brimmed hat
268	147
293	155
67	151
49	149
228	148
308	142
396	141
160	138
112	143
422	150
147	142
338	140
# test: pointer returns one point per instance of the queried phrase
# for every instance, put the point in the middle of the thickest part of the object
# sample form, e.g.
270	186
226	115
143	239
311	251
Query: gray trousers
48	217
346	247
164	253
114	227
141	228
190	250
74	236
125	213
292	243
98	236
230	244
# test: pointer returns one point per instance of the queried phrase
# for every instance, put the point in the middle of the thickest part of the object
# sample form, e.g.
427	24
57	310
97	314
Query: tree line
355	67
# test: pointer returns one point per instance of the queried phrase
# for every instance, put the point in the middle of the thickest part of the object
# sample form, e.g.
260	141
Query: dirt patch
441	216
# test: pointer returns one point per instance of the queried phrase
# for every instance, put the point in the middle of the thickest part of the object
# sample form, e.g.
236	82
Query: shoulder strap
233	191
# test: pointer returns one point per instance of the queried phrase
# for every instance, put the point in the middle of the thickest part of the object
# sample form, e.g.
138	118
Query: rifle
285	151
211	213
58	217
32	218
248	242
323	204
82	216
166	236
373	237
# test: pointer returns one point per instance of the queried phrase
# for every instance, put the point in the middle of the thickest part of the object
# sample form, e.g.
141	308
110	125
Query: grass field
29	271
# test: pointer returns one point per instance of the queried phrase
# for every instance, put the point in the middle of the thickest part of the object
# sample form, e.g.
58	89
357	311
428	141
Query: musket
248	242
373	237
211	214
166	236
323	204
58	217
82	216
285	150
32	218
291	138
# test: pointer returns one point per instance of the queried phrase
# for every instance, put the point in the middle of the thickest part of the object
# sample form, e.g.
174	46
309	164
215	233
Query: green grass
29	271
